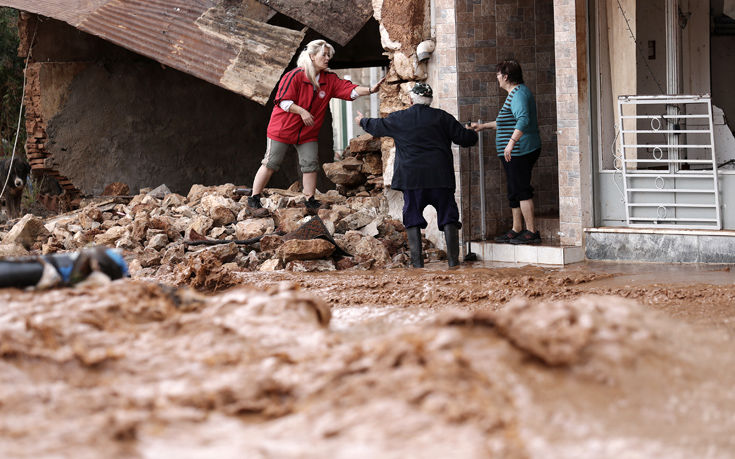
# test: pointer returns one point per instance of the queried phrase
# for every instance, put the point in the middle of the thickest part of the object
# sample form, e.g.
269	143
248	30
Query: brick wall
488	31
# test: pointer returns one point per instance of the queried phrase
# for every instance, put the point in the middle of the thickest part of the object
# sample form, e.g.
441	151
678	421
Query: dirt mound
312	366
592	328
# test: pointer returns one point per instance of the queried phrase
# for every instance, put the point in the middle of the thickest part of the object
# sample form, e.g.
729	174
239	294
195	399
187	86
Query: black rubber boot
414	244
451	236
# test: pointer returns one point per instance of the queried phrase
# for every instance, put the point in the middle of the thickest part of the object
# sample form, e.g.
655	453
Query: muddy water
592	361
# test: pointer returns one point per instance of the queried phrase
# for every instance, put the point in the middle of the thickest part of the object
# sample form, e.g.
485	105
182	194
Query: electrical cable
20	114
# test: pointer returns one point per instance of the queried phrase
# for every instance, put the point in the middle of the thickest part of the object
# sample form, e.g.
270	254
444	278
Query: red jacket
288	127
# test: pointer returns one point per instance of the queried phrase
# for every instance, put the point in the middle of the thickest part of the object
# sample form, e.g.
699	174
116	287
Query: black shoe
312	203
254	201
505	238
527	237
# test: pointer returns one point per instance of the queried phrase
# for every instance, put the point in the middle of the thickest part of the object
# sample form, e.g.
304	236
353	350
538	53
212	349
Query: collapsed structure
108	102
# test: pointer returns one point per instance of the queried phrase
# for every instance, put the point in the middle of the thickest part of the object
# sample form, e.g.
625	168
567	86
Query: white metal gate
668	162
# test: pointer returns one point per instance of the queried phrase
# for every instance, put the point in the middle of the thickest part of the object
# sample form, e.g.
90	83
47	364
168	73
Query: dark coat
423	137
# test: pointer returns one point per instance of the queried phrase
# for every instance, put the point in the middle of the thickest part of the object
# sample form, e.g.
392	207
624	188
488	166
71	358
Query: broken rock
219	209
308	266
254	228
116	189
364	143
365	248
354	221
372	163
289	219
346	172
310	249
26	232
273	264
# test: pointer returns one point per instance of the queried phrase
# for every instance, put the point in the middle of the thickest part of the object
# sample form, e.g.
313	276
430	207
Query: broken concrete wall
404	24
100	114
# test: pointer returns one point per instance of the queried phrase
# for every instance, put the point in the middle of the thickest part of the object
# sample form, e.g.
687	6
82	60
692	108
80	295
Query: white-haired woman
302	100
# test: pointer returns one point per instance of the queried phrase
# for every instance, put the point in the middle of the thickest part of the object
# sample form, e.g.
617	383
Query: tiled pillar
443	77
572	111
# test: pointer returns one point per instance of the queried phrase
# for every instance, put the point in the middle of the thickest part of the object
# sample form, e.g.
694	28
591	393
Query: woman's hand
306	118
375	88
508	151
359	117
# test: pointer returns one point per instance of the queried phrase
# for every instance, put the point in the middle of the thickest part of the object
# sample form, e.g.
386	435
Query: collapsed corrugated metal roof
220	41
338	20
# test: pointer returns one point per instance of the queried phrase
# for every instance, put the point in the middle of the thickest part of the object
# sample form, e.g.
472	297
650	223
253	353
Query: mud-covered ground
592	361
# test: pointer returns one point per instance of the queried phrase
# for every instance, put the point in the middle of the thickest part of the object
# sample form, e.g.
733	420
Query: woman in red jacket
302	100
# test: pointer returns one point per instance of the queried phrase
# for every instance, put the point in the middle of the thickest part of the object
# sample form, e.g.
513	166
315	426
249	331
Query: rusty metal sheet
214	40
338	20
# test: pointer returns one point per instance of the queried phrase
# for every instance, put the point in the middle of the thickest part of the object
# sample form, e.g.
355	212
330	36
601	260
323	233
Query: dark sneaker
254	202
527	237
312	203
505	238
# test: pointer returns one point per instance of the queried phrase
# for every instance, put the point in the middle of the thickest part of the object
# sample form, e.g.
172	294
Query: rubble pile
204	238
360	172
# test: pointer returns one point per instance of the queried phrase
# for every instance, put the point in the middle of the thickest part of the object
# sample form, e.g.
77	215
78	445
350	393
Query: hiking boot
254	201
527	237
312	203
505	238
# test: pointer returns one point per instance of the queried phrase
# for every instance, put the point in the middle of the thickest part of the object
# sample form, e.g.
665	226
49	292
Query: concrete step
543	254
660	245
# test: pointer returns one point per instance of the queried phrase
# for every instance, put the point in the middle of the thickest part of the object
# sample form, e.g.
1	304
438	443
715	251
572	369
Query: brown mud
596	360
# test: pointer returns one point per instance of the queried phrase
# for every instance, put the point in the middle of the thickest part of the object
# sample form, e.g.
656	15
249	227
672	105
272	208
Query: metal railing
668	162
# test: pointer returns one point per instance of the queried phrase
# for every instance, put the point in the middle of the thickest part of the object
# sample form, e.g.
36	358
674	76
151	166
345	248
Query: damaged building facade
180	93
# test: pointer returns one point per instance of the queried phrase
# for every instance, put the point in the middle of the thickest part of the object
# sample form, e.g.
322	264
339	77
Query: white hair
304	60
420	100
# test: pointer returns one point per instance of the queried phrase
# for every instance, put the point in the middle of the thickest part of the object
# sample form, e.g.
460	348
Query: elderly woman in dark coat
424	166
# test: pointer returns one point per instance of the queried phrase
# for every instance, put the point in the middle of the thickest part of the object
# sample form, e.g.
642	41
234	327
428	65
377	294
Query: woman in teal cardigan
518	144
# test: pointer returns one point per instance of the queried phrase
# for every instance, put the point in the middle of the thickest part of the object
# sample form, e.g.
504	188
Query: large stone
393	235
12	250
270	242
26	232
200	224
364	143
160	192
197	192
223	252
289	219
333	215
346	172
271	265
116	189
111	236
220	209
158	242
372	163
90	218
354	221
310	249
365	248
173	200
405	66
173	255
255	227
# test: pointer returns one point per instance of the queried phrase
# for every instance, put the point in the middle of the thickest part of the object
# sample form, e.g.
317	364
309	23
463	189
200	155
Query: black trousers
518	176
414	202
